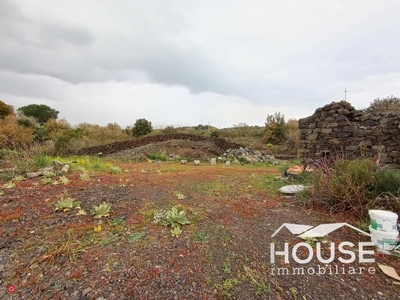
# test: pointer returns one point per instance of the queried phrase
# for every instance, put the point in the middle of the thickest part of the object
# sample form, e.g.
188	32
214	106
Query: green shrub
4	153
169	130
387	180
158	157
215	134
115	170
41	161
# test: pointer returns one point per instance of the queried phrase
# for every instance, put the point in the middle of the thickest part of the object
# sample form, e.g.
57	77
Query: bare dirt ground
224	253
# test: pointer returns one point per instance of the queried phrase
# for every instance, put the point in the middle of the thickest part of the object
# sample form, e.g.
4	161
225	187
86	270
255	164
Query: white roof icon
307	231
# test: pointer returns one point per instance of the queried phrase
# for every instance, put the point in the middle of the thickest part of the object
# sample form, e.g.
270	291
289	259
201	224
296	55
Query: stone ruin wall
339	129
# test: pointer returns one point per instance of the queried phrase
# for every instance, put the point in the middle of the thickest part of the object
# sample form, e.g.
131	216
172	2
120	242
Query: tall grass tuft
26	158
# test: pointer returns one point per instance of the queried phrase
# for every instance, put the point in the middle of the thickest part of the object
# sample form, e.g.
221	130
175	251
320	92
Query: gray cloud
267	53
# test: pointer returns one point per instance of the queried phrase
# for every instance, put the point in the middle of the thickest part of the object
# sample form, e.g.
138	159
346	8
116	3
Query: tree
384	105
293	136
276	129
5	110
141	128
42	113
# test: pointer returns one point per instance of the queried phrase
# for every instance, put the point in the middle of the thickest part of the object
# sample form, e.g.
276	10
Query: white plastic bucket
384	240
382	220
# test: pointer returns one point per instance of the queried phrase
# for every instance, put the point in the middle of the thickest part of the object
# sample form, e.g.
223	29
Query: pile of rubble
249	156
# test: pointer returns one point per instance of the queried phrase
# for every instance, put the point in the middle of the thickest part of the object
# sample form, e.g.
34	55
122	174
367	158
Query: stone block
330	125
394	154
326	130
349	128
312	136
351	148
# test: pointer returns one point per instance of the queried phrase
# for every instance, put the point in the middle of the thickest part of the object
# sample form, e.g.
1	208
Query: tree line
40	123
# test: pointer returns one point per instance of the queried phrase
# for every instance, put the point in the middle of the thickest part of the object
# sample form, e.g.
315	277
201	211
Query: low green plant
148	215
117	222
9	185
81	169
363	225
64	180
228	287
158	157
312	241
179	195
84	176
65	204
135	237
226	267
257	280
81	212
19	178
102	210
175	219
242	160
108	240
46	180
1	193
176	231
115	170
202	237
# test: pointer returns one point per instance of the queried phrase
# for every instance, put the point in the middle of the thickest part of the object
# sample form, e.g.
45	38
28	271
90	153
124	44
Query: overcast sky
189	62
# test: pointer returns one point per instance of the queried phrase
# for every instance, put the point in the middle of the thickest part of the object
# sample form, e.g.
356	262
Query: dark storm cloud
74	55
33	47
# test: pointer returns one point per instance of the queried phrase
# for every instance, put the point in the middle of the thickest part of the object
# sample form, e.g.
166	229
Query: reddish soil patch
223	253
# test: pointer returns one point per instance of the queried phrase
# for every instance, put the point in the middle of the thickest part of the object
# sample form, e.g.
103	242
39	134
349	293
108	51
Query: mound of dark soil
219	145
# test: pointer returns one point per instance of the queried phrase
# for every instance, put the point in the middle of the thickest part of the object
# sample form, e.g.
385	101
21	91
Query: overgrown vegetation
356	186
387	104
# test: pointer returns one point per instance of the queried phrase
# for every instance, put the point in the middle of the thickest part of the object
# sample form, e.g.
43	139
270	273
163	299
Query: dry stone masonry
339	129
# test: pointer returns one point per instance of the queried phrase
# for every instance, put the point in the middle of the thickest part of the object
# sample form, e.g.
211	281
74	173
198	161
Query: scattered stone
86	291
68	285
250	156
196	162
74	297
